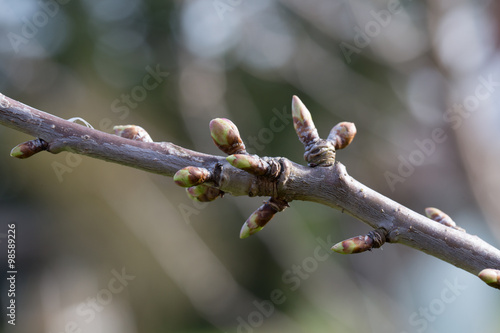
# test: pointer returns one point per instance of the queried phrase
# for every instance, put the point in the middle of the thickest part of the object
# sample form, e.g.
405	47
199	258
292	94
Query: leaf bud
191	176
226	136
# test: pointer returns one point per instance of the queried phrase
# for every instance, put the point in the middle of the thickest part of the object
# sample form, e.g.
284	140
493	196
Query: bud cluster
319	152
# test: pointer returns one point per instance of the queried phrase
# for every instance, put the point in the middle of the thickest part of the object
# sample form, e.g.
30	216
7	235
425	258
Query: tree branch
324	181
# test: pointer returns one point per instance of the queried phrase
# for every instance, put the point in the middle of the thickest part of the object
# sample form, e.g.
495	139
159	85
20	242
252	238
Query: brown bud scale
132	132
342	134
191	176
491	277
226	136
29	148
374	239
262	216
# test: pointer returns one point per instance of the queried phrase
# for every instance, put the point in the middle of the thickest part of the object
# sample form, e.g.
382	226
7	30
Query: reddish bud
262	216
203	193
28	148
354	245
251	164
303	123
491	277
191	176
374	239
226	136
342	134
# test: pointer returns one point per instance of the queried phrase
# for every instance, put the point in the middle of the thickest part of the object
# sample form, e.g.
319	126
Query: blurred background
105	248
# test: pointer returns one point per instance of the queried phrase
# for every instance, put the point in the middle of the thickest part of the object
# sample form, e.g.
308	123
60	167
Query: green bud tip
259	219
191	176
17	152
132	132
247	231
226	136
251	225
342	134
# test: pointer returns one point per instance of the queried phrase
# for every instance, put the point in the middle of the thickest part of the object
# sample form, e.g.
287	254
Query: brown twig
325	183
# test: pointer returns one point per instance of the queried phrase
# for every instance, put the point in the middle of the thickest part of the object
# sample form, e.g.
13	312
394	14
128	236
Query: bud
28	148
132	132
373	240
251	164
440	217
303	123
261	216
257	220
191	176
203	193
354	245
226	136
342	134
491	277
